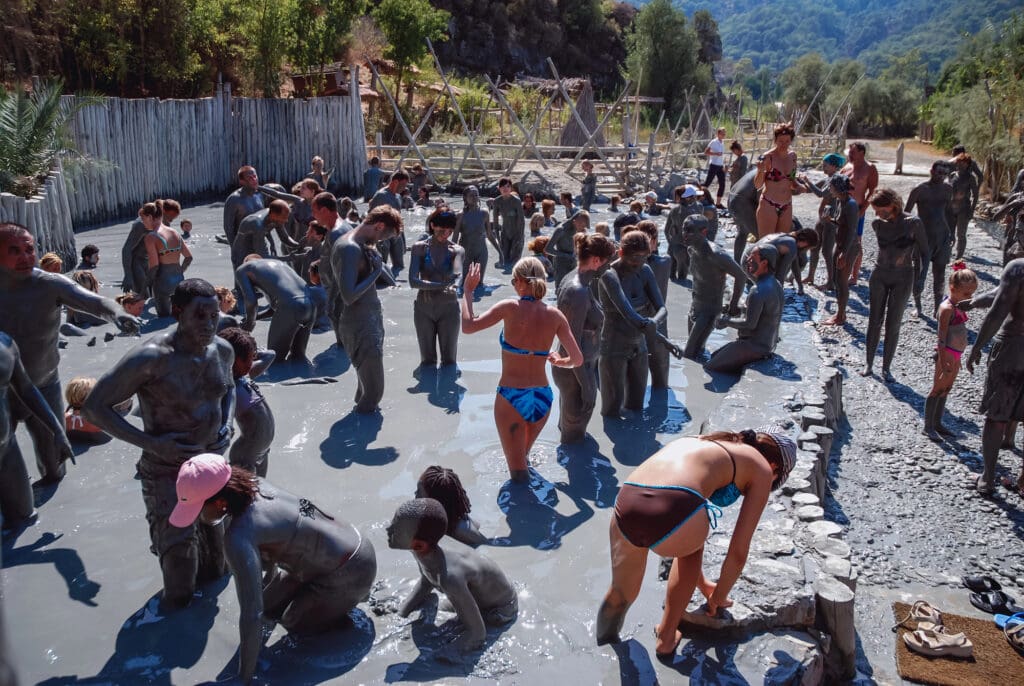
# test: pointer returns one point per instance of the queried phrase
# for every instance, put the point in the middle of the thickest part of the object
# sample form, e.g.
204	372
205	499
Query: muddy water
79	584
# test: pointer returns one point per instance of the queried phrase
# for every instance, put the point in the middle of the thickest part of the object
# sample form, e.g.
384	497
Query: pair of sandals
989	597
929	637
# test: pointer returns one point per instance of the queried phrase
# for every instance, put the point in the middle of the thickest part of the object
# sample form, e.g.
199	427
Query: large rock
775	658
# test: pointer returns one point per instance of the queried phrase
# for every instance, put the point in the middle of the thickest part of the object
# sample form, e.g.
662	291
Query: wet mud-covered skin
253	237
186	396
710	266
239	205
629	285
471	231
743	199
1003	399
965	199
674	235
436	310
788	262
357	266
509	217
166	270
391	249
337	227
320	568
30	310
577	387
758	331
16	501
251	448
134	261
657	352
562	250
901	243
294	312
933	200
475	585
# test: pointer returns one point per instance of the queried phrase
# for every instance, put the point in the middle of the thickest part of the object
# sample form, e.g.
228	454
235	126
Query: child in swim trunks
952	329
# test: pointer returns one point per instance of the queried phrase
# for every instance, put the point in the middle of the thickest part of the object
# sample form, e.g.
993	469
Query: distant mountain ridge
866	30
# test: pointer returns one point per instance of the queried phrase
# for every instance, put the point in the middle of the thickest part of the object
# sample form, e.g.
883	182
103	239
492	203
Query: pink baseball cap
199	478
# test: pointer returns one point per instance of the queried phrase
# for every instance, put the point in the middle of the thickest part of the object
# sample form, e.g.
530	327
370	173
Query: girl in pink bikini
776	179
952	325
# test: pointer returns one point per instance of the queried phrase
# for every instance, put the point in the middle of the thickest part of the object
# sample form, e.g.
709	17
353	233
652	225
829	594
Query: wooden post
455	103
401	122
834	613
899	159
514	119
592	136
576	115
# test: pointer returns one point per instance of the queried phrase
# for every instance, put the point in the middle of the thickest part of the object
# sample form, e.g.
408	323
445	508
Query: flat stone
824	528
831	546
810	513
805	499
771	544
841	570
775	658
793	486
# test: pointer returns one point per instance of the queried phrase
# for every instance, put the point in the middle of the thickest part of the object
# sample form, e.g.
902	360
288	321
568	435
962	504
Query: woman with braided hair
443	485
657	509
524	397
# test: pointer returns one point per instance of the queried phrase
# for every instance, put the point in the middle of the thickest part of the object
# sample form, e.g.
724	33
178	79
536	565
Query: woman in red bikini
670	503
776	179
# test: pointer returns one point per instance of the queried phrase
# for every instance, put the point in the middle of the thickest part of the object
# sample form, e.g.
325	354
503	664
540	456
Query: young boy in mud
475	585
252	413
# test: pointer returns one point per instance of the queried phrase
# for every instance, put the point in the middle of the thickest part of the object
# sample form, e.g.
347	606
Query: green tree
34	131
710	40
661	54
407	24
320	28
269	35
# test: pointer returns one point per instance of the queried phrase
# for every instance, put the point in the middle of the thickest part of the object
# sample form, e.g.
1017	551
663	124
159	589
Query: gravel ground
914	520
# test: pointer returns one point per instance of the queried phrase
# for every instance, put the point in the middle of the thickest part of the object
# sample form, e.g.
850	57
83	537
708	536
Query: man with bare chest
357	266
863	180
186	395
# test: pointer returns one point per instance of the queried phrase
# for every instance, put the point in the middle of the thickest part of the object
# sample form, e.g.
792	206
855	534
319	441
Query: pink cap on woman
200	477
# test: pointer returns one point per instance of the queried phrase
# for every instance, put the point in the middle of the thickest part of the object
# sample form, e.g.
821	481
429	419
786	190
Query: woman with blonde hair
524	397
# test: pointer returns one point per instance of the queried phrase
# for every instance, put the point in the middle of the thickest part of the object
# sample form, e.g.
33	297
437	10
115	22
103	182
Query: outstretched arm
1006	294
755	304
248	291
754	501
419	593
470	322
278	195
77	298
30	396
244	559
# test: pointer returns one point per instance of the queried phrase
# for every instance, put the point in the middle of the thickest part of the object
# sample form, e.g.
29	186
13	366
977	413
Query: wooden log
834	603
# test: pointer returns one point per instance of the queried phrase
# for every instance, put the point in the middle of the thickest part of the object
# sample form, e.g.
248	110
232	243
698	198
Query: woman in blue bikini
659	508
524	396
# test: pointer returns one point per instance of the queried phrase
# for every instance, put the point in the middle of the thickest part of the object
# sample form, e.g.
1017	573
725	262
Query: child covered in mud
477	589
226	301
537	246
131	302
444	486
77	427
252	413
952	341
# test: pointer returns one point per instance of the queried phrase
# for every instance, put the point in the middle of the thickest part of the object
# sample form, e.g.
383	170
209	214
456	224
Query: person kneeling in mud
319	567
476	587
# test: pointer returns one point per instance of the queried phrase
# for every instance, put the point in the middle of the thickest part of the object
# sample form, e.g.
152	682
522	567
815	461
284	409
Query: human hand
721	322
65	449
127	323
249	324
965	305
840	262
472	278
557	360
973	359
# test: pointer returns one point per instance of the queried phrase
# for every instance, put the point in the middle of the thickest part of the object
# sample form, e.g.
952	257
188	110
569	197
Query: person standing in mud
325	213
243	202
577	387
776	178
254	233
624	290
509	217
186	395
828	213
167	259
863	177
974	169
1003	399
711	265
561	248
965	199
901	242
289	296
392	249
743	199
30	310
661	265
435	269
357	266
473	230
933	200
687	204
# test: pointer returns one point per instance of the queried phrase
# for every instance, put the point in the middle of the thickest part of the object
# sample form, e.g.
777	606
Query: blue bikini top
730	493
509	348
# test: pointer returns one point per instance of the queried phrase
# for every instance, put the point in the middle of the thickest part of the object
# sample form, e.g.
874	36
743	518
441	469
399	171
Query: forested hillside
774	33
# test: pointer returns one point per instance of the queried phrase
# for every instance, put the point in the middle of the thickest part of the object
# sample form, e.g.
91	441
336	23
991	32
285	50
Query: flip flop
995	602
937	643
981	584
1003	620
1015	636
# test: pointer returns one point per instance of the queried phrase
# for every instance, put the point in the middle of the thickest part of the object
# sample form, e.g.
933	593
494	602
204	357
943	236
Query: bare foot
834	320
809	281
706	588
867	371
1016	486
887	376
663	647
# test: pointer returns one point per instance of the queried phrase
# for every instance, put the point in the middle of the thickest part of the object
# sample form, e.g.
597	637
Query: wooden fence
188	149
47	215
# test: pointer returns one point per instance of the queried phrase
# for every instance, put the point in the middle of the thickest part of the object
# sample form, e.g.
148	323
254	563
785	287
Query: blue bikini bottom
532	404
